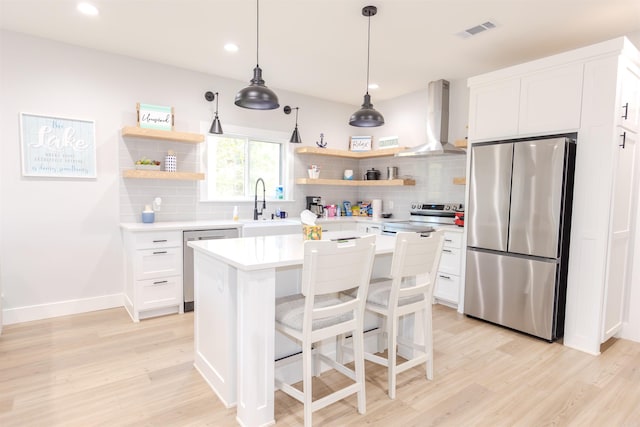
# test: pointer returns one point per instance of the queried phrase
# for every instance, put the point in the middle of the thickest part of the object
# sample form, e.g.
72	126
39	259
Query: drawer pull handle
448	240
160	241
445	277
159	252
162	282
447	251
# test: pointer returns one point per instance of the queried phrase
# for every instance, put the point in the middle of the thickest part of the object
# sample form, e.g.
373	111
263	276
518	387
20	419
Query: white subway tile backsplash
180	199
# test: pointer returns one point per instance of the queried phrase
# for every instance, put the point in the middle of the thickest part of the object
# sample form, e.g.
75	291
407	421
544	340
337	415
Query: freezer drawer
511	291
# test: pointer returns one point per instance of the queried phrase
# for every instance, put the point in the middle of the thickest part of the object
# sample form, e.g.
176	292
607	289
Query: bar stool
407	290
321	311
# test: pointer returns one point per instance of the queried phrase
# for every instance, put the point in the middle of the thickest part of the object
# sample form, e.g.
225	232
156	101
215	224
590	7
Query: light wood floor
99	368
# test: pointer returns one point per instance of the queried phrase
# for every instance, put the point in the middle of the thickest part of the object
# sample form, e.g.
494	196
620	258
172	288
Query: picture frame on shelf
57	147
387	142
360	143
159	117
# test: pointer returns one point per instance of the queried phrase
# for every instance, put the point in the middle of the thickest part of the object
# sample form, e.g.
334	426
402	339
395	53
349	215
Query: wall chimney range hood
437	124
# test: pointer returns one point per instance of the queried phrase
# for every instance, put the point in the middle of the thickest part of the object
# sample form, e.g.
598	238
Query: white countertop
256	253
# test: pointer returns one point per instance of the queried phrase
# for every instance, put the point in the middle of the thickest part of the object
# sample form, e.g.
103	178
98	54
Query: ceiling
319	47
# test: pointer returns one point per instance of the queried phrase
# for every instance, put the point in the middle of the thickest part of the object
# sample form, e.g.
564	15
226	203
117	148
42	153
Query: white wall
60	242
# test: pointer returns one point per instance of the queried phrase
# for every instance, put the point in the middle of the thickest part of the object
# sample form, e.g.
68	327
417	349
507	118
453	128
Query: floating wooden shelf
386	152
460	180
461	143
356	183
165	135
143	174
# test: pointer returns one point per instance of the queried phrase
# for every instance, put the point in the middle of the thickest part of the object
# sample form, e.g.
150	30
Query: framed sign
57	147
360	143
155	116
388	142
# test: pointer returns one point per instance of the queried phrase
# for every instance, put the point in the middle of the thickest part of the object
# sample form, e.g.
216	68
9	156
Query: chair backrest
331	267
416	256
335	266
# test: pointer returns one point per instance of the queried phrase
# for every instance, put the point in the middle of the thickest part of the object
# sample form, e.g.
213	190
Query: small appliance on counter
314	204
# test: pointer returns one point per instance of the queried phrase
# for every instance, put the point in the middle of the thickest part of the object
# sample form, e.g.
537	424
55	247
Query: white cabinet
448	277
153	273
493	109
550	100
337	225
539	102
593	91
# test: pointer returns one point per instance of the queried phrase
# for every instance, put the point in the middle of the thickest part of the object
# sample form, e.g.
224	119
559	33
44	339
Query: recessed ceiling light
231	47
374	86
87	9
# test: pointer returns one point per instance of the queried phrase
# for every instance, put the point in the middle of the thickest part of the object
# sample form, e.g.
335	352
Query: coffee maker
314	204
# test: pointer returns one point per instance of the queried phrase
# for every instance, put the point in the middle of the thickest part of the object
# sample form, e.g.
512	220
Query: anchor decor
321	143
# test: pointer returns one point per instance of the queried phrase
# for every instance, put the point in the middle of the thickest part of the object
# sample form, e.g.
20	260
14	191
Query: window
234	162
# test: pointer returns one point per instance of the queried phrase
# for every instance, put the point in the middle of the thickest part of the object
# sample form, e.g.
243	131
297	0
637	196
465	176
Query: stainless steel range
425	217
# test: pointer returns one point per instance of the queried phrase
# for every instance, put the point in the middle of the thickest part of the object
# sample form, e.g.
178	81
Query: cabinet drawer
452	239
157	239
450	261
447	286
160	292
153	263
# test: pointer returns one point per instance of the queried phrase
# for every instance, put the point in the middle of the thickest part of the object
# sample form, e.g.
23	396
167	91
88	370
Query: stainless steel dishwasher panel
187	257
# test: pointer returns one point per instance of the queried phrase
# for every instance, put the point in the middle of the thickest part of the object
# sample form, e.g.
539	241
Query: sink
269	227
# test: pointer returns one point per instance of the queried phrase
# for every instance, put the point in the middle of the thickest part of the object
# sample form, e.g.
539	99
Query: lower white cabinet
374	228
153	273
448	278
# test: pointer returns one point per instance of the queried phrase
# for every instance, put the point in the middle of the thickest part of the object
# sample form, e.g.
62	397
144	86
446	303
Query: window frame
248	134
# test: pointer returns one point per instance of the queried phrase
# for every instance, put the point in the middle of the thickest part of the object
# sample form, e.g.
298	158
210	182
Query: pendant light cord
257	31
368	50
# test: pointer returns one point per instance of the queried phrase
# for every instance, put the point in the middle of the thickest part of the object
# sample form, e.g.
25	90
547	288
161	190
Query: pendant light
257	96
367	116
216	127
295	136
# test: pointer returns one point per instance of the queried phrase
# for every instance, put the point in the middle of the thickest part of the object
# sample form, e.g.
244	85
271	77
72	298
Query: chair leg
383	330
307	378
358	362
428	340
340	342
317	363
392	355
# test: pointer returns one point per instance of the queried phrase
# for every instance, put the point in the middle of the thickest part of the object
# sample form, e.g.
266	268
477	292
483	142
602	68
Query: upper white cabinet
550	100
629	115
545	101
493	110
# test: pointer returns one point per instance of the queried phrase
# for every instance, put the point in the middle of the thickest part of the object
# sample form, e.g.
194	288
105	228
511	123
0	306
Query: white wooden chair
407	290
321	311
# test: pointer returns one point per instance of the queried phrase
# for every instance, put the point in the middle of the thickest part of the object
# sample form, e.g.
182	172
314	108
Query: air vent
477	29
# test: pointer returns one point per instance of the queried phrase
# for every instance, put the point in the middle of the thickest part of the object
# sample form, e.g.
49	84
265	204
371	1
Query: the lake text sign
57	146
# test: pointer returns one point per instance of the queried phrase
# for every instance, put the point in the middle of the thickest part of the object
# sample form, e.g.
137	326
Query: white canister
348	174
170	163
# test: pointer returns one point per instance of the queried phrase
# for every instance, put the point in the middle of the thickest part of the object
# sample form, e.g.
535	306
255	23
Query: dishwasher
187	257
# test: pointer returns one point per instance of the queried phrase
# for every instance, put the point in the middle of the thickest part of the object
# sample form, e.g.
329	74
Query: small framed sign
57	147
388	142
155	116
360	143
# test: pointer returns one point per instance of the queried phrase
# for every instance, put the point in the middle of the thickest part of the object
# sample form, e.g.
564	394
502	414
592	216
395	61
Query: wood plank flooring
100	369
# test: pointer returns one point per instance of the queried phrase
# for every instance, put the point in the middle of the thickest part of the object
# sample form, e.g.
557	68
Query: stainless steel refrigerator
519	219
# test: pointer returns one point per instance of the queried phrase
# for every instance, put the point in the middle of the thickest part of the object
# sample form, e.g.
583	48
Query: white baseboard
61	308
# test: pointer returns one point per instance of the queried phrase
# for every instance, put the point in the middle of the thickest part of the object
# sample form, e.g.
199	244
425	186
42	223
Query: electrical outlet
390	205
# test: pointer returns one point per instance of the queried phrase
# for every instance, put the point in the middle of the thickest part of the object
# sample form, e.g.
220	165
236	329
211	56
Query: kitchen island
236	284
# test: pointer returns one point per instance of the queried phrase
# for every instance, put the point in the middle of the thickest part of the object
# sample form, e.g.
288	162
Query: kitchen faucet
255	202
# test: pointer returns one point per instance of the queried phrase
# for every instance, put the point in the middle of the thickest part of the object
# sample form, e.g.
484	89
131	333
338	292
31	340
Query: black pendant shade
367	116
216	127
257	96
295	136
